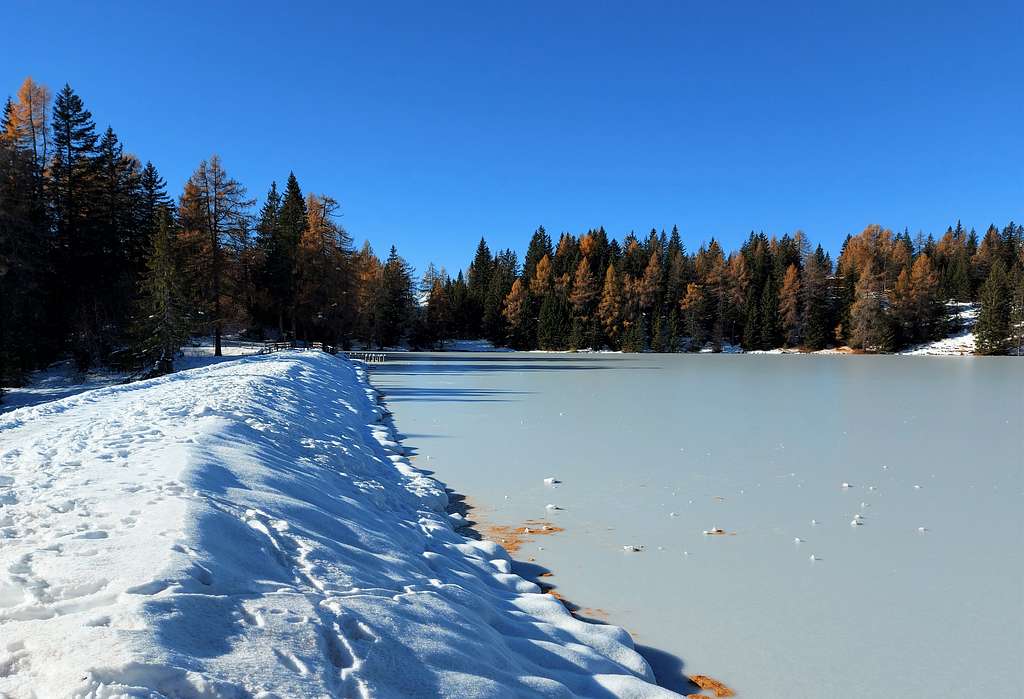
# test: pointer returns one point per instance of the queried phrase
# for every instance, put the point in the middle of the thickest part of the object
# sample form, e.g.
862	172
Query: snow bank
251	529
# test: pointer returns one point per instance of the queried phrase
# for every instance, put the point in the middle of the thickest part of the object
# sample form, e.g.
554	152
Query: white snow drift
251	529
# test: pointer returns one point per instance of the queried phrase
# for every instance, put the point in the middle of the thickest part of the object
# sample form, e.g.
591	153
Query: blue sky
434	123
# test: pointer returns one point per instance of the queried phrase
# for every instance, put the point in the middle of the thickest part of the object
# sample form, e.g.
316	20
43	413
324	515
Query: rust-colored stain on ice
513	538
710	683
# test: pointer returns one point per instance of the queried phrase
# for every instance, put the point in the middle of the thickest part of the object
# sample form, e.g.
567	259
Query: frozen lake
652	450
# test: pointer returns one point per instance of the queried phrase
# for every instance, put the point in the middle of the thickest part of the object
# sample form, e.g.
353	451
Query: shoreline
511	538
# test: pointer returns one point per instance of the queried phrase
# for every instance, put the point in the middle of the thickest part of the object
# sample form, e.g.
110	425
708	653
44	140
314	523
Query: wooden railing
368	357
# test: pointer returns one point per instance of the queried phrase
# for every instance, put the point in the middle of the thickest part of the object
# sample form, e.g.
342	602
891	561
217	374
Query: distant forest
99	263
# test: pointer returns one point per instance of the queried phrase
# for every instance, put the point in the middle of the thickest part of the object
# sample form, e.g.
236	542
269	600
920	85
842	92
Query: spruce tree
291	226
993	326
164	323
553	323
1017	311
396	300
478	283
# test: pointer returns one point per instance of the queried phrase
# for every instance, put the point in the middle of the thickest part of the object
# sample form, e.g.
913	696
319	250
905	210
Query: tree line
98	262
885	291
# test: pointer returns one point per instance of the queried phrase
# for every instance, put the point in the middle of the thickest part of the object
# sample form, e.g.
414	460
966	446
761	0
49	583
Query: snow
62	380
57	381
961	342
252	528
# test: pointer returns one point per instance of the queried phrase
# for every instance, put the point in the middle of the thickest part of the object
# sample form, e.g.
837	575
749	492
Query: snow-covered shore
252	529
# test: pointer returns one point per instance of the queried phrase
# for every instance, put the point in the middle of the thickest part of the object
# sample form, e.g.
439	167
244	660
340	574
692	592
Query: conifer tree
395	306
694	306
214	209
553	322
478	283
322	274
165	322
438	313
28	121
72	183
610	309
993	327
790	307
539	248
869	326
281	261
368	274
1017	311
770	332
503	275
24	272
516	313
584	290
817	327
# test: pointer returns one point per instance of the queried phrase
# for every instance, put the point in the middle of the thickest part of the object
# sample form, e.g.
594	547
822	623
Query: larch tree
214	212
610	308
790	307
516	313
30	120
869	324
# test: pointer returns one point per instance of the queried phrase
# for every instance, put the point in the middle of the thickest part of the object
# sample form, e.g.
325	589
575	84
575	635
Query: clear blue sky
435	123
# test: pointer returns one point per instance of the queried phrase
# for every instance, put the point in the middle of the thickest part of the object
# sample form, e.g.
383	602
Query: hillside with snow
253	529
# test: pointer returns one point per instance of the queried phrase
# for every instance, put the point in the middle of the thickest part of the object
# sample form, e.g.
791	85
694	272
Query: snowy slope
959	343
250	529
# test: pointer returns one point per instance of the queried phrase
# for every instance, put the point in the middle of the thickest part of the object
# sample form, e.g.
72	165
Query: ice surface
758	447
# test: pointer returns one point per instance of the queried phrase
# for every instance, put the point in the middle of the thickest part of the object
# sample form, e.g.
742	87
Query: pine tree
770	332
1017	311
395	306
539	248
291	226
503	275
817	326
165	322
78	247
24	271
478	283
553	323
438	313
993	327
